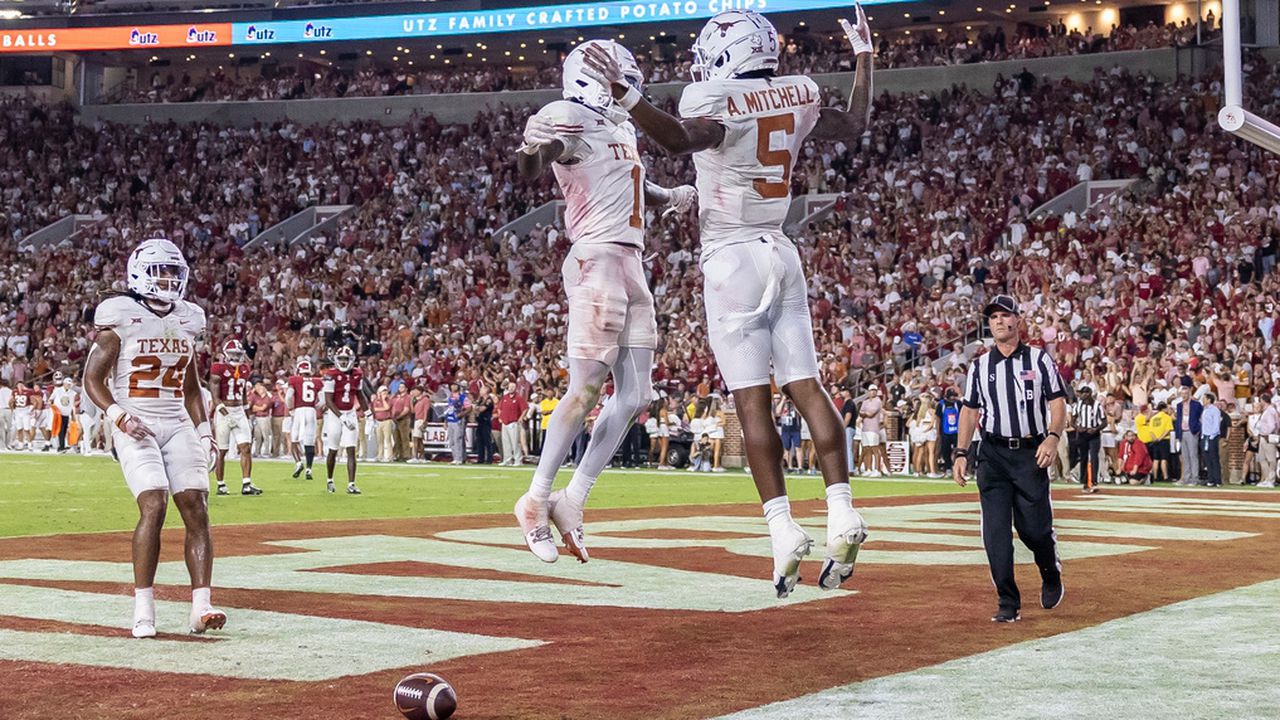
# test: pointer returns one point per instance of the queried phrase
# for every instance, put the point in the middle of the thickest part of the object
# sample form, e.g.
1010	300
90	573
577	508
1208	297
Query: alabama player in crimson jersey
744	126
23	417
140	373
302	397
343	390
229	385
590	145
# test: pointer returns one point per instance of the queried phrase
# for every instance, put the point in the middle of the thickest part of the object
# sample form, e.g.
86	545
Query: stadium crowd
808	52
1170	284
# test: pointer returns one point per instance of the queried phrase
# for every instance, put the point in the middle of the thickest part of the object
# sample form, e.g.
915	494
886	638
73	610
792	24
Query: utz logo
253	33
137	37
196	35
312	31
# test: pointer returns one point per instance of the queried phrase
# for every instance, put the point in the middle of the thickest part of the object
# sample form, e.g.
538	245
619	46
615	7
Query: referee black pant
1014	493
1083	451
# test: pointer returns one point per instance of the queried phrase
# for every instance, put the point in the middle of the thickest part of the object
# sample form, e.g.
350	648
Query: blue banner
525	19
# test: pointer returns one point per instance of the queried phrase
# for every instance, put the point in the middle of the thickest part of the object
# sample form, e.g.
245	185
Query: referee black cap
1001	303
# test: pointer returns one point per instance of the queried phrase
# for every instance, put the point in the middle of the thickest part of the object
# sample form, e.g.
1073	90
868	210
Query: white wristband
631	99
114	413
203	429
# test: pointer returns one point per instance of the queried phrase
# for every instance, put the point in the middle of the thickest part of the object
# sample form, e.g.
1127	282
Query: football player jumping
744	125
590	145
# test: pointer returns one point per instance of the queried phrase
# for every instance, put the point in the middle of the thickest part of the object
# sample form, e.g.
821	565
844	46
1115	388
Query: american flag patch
1028	375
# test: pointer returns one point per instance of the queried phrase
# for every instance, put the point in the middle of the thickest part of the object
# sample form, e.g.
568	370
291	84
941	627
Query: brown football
425	696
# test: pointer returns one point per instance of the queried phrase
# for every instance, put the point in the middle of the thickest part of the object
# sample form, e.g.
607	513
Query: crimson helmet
233	351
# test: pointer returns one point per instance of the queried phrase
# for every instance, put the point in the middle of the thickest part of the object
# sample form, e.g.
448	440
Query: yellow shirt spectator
1160	426
546	407
1142	426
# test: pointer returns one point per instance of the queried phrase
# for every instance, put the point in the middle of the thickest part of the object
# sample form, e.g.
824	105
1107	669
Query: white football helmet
580	86
732	43
304	366
344	359
158	271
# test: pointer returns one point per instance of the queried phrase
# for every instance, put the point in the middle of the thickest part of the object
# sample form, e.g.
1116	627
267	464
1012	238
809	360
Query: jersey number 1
636	221
765	128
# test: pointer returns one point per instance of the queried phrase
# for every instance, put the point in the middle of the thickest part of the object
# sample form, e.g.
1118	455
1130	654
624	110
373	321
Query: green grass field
44	495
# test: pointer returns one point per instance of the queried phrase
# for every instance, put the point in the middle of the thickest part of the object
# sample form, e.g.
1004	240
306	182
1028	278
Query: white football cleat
532	516
843	542
568	520
144	627
789	548
206	619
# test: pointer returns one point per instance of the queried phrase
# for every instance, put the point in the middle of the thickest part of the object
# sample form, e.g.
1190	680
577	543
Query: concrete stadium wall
1165	64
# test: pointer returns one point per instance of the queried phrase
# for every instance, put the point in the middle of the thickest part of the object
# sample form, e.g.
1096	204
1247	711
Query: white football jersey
156	353
744	185
600	175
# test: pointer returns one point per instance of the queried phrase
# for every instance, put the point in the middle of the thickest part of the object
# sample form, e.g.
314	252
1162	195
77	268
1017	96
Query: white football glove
349	420
682	198
859	33
538	131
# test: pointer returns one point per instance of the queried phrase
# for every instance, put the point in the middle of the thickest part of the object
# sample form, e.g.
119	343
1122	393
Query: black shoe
250	490
297	471
222	490
329	486
309	474
1006	615
1051	592
352	489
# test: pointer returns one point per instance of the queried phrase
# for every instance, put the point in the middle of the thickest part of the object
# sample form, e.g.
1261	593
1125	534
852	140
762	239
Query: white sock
144	599
839	497
351	483
246	481
200	597
540	487
777	512
579	488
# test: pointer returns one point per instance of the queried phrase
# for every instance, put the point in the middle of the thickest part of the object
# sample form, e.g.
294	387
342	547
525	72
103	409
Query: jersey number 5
765	128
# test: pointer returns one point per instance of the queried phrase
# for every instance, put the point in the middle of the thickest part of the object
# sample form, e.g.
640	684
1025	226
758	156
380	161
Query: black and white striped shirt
1087	415
1012	393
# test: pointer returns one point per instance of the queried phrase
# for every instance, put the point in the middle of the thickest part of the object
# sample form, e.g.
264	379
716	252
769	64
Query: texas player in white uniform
590	145
141	372
744	126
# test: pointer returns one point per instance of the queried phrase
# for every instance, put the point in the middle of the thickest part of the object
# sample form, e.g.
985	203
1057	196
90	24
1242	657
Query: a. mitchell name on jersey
772	98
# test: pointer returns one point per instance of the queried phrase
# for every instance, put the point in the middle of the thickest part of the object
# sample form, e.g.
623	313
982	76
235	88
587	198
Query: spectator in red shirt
402	415
511	410
421	414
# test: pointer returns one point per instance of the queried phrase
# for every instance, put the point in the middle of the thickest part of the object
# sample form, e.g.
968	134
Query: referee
1015	395
1087	422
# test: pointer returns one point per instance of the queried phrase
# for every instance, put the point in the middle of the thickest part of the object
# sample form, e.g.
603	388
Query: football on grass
425	696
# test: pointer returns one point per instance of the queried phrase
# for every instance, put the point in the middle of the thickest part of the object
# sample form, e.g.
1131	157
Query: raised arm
849	124
677	136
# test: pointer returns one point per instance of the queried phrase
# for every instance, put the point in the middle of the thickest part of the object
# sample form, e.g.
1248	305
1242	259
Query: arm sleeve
699	100
971	398
1052	378
107	315
568	121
